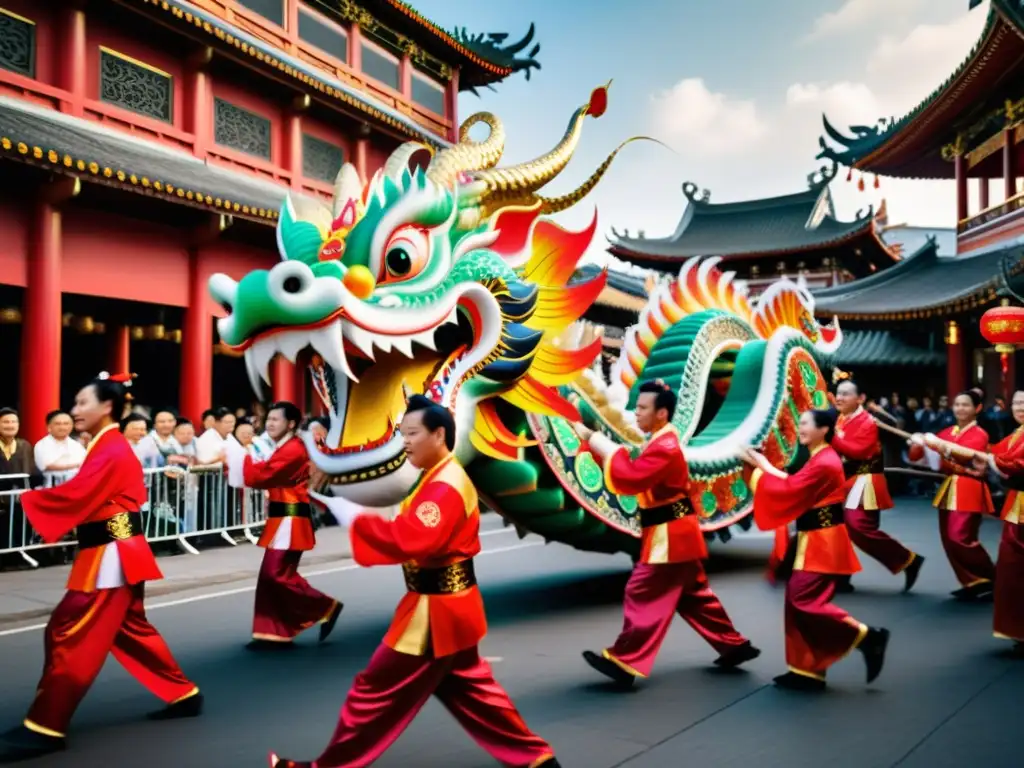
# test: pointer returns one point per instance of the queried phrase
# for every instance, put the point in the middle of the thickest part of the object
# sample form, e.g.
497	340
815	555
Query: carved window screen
136	86
321	160
17	44
240	129
427	93
271	10
329	38
381	66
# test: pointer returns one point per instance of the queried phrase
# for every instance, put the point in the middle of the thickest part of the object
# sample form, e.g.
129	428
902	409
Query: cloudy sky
736	88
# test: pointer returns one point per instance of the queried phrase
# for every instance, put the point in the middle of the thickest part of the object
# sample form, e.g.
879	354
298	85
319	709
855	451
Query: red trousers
818	634
1009	596
863	527
654	594
970	561
286	604
83	629
386	696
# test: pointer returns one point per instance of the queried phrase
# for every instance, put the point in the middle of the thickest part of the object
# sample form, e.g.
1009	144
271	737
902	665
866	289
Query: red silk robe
1008	618
437	525
659	476
856	441
1008	457
109	482
819	483
960	492
286	475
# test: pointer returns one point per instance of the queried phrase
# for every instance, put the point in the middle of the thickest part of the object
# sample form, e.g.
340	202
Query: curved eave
972	300
866	229
613	297
911	147
478	69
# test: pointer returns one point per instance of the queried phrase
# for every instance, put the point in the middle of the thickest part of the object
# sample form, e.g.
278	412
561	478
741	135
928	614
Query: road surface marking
252	587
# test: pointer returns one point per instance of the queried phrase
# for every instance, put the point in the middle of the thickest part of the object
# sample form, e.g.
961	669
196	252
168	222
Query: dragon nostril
292	285
226	307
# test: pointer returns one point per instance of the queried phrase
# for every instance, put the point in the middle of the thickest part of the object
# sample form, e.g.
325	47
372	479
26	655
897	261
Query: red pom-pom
877	184
849	175
598	101
860	184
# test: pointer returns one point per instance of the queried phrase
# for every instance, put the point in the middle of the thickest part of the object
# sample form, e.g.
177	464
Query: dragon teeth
404	345
254	374
290	344
426	339
329	343
263	352
362	339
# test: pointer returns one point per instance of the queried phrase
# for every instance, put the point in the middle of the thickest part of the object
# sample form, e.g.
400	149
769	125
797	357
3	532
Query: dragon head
442	280
788	303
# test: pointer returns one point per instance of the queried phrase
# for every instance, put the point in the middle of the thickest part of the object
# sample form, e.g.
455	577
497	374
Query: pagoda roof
77	147
862	349
782	225
968	108
483	58
924	285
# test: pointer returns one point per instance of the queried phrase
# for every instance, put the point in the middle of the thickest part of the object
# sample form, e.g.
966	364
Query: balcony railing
990	214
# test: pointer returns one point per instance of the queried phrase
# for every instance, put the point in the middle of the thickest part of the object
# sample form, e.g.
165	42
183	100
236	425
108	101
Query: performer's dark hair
856	386
664	396
208	412
322	421
54	414
171	411
826	419
131	418
290	411
973	396
8	412
220	413
113	392
434	417
181	421
240	423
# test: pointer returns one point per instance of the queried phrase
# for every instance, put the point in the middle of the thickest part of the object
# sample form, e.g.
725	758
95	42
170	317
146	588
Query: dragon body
446	279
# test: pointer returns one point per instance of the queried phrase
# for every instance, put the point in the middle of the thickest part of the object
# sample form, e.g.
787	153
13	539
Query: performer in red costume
286	604
962	498
669	578
818	634
1007	458
867	493
103	611
432	645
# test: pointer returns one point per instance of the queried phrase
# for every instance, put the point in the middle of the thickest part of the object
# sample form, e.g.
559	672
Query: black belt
288	509
446	580
123	525
1014	483
666	513
873	466
819	518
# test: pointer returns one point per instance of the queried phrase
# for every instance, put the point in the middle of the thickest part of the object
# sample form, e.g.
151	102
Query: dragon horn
469	155
398	162
560	203
347	186
519	182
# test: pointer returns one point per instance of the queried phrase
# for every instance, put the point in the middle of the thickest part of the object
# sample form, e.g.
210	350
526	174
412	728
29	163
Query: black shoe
22	743
269	645
738	655
610	669
981	592
911	572
189	707
843	586
794	682
283	762
328	626
873	647
552	763
1018	650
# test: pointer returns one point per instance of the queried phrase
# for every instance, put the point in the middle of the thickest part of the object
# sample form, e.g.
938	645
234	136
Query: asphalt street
949	696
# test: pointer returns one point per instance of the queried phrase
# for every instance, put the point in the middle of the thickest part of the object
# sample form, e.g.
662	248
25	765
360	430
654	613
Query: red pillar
1009	164
71	56
960	167
956	361
300	378
282	377
41	322
355	48
199	109
293	140
452	105
196	344
362	146
405	76
120	349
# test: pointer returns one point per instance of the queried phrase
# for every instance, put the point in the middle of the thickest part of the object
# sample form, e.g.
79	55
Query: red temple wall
13	244
247	99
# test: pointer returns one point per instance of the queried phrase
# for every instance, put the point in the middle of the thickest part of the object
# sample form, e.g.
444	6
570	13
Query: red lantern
1004	327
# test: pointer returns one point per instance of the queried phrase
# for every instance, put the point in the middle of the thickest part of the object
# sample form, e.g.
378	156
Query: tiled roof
883	349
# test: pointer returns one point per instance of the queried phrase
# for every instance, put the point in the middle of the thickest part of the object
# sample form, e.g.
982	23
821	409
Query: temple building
762	240
147	144
971	130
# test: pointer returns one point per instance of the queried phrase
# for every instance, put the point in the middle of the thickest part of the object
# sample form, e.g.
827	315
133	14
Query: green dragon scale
446	279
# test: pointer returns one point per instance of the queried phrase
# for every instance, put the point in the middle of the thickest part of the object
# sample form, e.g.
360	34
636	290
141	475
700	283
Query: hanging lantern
860	184
10	316
877	183
138	333
849	175
84	325
1004	327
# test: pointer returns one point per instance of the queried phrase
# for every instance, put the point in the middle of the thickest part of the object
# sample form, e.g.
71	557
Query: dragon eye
405	255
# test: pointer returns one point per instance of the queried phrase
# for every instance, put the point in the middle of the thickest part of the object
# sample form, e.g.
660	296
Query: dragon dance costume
669	578
867	494
286	604
103	610
961	501
1008	460
431	647
818	633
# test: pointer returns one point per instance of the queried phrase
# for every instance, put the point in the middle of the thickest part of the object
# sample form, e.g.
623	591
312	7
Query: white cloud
704	121
853	15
